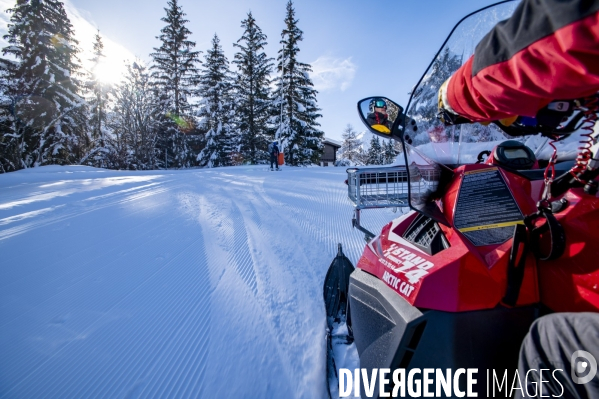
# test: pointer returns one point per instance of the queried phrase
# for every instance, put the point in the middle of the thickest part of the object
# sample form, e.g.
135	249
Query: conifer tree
46	108
135	120
295	109
351	146
389	151
252	92
216	109
375	152
362	157
175	77
425	98
10	154
98	105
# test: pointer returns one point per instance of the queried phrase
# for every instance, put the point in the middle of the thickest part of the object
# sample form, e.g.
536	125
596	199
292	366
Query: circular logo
583	367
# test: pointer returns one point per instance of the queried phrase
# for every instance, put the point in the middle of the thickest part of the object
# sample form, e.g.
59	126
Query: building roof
332	142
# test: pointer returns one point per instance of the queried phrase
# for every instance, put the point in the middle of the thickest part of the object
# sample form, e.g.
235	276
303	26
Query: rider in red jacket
548	50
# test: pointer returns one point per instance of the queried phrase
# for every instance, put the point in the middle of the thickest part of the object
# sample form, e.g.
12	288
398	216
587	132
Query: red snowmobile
502	229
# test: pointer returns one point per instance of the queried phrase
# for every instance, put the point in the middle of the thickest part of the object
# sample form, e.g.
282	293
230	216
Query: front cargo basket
370	188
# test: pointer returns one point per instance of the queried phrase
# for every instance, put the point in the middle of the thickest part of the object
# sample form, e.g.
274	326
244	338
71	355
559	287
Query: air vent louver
426	234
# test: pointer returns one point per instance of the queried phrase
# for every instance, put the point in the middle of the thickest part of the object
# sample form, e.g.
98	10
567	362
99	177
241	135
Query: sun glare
112	67
110	71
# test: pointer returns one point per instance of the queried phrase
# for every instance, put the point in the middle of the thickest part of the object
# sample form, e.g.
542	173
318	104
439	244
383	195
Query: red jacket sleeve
515	73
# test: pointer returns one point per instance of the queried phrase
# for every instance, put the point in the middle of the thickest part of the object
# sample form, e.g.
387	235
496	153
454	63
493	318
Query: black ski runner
335	292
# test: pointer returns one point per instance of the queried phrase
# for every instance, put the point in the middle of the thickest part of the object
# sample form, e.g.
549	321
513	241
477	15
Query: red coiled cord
584	151
549	178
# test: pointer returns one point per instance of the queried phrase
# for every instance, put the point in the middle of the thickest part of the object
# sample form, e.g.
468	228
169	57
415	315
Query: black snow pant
555	343
274	159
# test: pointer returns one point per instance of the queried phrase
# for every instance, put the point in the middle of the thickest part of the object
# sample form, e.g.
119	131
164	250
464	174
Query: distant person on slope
273	150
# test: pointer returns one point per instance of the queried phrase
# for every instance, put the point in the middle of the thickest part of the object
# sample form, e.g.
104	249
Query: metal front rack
378	188
372	188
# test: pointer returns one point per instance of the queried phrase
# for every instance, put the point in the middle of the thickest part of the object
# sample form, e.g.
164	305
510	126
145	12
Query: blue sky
357	48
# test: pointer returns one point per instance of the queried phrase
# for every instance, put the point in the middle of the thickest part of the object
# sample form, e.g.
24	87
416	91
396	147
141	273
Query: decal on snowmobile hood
413	266
486	211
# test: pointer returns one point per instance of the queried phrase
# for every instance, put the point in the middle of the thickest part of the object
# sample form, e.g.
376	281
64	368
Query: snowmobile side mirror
382	116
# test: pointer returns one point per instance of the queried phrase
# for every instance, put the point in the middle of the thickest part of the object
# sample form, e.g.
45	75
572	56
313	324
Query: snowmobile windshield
432	149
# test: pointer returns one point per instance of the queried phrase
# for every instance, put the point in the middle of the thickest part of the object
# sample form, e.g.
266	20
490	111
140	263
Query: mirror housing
382	116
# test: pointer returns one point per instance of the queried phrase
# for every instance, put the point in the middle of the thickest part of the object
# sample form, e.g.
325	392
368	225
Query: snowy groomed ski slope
169	284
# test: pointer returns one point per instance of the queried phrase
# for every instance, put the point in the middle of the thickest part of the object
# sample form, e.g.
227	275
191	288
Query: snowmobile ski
335	292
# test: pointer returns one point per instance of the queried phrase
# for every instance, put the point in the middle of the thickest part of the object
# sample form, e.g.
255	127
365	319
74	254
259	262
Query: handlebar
558	119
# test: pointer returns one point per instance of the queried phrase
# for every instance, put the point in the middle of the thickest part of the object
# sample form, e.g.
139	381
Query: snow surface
346	356
192	283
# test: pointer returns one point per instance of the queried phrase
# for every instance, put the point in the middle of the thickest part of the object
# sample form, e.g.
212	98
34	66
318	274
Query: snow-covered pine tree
46	108
375	152
294	104
10	157
425	104
362	156
252	93
351	146
174	74
425	99
389	153
135	120
216	109
97	96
